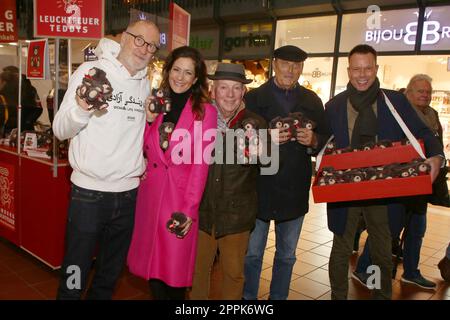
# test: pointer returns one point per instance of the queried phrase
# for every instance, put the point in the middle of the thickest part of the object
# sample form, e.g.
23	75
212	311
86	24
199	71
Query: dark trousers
162	291
376	218
102	221
414	221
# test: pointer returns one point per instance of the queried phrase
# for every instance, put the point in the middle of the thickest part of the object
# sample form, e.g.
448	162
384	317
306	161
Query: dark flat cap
290	53
230	71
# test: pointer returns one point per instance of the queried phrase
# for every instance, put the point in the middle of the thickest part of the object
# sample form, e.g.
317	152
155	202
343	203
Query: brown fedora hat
230	71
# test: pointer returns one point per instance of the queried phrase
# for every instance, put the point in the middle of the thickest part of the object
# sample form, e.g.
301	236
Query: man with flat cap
228	209
283	197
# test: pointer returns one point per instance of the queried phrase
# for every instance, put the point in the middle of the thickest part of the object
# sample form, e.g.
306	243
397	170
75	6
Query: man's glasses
139	42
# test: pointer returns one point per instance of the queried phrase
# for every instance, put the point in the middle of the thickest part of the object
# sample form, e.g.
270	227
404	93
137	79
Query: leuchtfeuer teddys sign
82	19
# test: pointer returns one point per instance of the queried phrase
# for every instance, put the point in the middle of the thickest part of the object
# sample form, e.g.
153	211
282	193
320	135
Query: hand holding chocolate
179	224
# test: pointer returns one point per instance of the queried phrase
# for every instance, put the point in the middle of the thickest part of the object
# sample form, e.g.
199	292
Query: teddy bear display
248	146
165	131
160	103
176	224
384	143
44	141
330	148
95	89
414	168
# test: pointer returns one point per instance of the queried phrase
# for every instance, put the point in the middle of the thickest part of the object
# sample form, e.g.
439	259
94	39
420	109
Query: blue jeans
412	245
98	223
287	234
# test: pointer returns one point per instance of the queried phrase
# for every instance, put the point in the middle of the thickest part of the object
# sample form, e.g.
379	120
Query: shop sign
201	43
433	31
38	59
316	73
205	40
82	19
7	209
246	41
180	22
8	21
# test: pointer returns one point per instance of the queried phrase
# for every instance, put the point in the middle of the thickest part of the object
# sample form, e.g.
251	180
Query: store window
314	35
394	73
436	29
395	30
316	76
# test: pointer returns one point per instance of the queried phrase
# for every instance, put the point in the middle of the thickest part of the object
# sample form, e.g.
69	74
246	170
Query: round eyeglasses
140	42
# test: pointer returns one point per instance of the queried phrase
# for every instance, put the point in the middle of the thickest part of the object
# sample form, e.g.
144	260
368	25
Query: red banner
8	21
180	22
36	62
82	19
7	210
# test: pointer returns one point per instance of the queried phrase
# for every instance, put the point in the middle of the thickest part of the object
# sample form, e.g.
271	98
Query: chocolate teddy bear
248	144
330	148
176	224
160	103
165	131
300	121
283	124
95	89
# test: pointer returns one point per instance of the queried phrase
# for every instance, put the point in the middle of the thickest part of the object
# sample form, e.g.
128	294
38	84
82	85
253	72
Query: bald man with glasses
106	156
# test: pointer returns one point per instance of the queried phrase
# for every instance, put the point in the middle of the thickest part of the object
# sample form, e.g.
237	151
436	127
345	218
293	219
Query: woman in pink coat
163	251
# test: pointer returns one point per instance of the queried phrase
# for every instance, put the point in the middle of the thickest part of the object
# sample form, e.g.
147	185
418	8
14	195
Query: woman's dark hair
200	87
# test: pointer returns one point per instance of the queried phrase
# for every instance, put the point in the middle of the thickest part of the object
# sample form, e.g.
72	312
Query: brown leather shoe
444	267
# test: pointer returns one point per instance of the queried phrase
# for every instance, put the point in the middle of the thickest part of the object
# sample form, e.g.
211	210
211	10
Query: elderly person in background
418	93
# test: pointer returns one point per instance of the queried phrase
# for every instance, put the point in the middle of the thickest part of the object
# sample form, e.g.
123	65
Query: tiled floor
24	277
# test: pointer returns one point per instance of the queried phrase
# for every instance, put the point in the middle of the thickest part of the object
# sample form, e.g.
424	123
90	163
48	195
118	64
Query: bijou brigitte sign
69	18
433	30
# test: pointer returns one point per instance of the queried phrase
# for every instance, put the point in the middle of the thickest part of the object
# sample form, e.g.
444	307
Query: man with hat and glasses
228	209
283	197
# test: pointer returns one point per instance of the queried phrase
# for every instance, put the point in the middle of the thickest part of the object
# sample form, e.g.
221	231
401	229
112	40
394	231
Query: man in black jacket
228	209
283	197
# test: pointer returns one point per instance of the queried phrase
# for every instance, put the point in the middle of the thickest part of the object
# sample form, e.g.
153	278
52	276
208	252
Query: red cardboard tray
370	158
364	190
374	189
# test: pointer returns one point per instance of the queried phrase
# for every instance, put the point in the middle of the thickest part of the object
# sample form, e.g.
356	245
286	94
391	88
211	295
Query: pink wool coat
155	253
